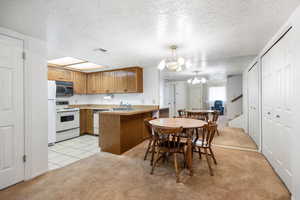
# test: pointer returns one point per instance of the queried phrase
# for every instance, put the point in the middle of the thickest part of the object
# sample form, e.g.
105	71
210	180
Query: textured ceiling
137	32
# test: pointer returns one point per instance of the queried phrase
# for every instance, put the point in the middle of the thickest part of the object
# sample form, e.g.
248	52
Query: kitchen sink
122	109
100	110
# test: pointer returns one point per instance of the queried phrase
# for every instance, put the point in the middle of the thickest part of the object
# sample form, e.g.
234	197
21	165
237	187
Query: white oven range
67	121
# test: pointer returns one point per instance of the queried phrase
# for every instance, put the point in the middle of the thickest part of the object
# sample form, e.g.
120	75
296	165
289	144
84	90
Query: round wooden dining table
185	123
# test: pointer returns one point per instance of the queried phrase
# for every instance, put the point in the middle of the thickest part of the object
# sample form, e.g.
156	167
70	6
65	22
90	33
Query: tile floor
69	151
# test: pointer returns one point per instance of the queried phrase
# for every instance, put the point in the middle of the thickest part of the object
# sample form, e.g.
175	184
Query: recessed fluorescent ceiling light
85	66
65	61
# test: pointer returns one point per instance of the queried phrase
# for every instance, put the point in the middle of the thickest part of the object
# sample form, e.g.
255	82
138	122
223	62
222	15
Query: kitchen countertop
137	109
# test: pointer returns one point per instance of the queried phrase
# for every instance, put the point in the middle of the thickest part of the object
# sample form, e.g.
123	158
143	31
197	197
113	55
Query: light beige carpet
234	137
239	175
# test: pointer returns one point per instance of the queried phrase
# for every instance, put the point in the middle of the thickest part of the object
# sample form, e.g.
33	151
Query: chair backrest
208	134
182	113
148	125
218	103
215	116
170	137
198	115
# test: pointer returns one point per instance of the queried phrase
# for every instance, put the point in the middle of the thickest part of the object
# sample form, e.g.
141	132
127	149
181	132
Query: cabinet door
91	83
56	74
59	74
120	81
108	81
79	80
131	80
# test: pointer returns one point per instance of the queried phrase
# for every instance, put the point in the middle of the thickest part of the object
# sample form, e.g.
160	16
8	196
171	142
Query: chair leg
148	149
176	167
218	132
208	162
156	161
200	154
152	153
213	155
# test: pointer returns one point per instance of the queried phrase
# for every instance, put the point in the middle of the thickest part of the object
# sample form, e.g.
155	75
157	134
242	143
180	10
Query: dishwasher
96	117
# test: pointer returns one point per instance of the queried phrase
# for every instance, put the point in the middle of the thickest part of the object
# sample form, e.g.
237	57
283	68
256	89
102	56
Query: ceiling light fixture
85	66
65	61
173	63
196	80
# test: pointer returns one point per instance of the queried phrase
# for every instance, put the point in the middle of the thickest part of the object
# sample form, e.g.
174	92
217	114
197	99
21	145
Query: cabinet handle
268	113
278	116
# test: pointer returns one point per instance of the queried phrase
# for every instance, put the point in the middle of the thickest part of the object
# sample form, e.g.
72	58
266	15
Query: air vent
101	49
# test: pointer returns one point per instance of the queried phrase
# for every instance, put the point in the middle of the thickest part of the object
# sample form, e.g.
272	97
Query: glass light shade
189	81
180	61
161	65
172	65
203	80
188	64
179	69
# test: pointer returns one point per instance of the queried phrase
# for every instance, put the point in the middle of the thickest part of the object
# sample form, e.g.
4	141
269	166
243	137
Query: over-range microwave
64	89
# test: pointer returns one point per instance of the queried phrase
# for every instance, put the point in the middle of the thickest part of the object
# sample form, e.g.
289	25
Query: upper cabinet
78	78
58	74
127	80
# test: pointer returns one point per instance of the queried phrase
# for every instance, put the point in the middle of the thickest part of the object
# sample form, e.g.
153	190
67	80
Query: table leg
190	156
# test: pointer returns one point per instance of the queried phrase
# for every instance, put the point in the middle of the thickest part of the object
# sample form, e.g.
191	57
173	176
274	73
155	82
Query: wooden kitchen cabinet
58	74
134	80
79	80
92	83
128	80
86	121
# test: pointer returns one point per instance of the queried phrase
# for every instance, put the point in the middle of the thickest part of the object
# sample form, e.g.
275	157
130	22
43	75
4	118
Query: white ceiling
136	32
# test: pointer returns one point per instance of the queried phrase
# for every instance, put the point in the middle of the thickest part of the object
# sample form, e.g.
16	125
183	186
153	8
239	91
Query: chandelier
196	80
173	63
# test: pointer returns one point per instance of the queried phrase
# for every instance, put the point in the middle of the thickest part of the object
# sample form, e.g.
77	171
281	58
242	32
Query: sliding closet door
277	109
253	103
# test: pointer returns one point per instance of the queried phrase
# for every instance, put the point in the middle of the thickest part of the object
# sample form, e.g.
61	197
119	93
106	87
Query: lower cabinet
86	121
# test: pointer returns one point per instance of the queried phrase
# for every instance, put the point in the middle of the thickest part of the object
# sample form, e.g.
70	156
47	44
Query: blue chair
218	105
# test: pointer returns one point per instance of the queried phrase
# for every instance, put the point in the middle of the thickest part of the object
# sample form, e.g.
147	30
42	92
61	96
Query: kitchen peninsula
120	129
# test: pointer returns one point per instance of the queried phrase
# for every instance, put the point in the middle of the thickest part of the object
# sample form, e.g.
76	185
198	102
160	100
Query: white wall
234	89
26	20
150	96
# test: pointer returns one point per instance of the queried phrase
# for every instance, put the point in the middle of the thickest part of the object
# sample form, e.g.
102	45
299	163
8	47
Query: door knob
268	113
278	116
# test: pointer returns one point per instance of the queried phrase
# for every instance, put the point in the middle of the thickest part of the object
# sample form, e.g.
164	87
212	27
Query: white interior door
11	111
277	107
253	103
180	96
195	96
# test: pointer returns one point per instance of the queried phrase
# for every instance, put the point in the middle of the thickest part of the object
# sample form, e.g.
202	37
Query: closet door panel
277	107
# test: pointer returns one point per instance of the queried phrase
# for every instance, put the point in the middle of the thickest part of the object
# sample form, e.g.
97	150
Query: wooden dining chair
150	138
182	113
203	142
215	117
198	115
168	141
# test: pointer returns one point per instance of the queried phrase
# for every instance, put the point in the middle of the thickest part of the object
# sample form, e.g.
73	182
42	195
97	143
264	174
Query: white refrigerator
51	112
